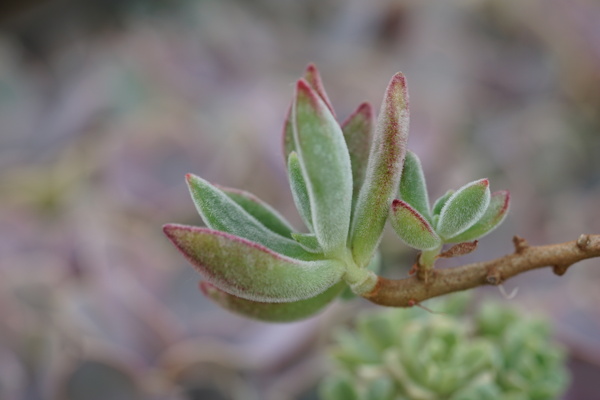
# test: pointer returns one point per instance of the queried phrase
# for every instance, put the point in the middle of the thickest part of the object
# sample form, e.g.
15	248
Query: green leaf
412	227
439	203
491	219
383	171
272	312
325	164
464	208
260	210
299	190
312	76
219	212
308	241
358	132
413	189
251	271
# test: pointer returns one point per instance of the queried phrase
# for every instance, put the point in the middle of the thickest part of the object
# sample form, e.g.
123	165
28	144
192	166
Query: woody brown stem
410	291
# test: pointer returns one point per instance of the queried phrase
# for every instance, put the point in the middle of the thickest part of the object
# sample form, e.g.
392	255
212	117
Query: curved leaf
249	270
299	190
383	171
260	210
325	164
413	188
493	217
272	312
358	132
219	212
464	208
412	227
313	78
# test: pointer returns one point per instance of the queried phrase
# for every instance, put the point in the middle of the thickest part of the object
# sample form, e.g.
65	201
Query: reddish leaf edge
168	230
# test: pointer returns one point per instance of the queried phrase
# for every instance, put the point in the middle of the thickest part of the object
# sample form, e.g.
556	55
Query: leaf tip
485	182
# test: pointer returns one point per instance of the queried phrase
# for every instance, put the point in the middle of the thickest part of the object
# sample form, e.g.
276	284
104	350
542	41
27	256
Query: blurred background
106	105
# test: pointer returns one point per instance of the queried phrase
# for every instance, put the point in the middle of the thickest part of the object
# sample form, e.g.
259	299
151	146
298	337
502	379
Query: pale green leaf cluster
344	177
458	216
414	355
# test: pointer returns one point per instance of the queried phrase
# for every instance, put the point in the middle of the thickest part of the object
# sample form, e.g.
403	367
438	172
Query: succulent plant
456	217
344	180
400	354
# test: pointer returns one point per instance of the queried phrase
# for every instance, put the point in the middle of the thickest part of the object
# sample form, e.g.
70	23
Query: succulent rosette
458	216
346	182
413	355
343	179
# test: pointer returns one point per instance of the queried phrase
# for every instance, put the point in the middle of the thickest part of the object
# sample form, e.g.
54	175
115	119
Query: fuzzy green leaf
413	189
358	132
440	202
251	271
492	218
272	312
325	164
412	227
308	241
260	210
299	190
383	171
313	78
464	208
219	212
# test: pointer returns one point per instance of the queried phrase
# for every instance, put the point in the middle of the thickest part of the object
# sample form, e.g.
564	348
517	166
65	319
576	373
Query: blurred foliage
411	354
104	106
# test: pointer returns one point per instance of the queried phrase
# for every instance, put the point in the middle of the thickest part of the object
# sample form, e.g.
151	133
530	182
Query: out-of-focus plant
346	182
411	355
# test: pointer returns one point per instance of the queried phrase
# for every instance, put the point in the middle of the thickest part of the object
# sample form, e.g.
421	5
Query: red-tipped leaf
383	171
249	270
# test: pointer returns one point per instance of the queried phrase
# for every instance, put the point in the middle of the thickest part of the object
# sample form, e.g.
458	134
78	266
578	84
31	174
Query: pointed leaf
325	164
383	171
412	227
272	312
358	132
260	210
439	203
299	190
249	270
313	77
308	241
413	188
464	208
221	213
493	217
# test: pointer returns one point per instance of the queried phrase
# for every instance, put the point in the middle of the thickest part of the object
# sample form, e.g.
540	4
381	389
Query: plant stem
410	291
